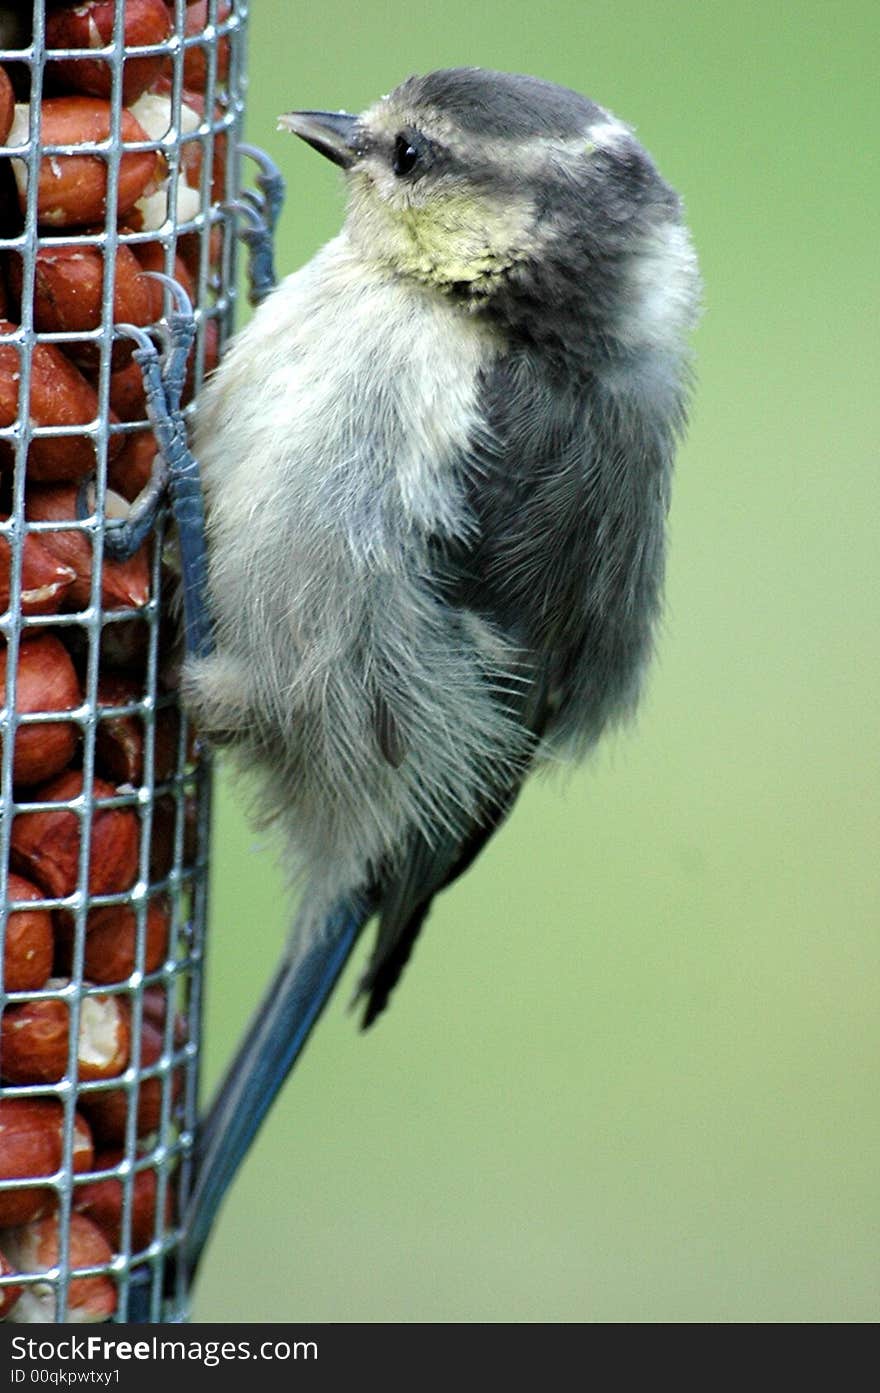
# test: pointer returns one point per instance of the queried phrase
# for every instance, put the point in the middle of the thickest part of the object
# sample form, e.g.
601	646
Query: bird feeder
119	127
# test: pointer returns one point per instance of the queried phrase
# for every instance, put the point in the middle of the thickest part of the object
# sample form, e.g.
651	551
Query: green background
631	1073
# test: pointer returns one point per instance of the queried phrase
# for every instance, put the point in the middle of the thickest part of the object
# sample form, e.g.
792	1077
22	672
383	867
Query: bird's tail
275	1038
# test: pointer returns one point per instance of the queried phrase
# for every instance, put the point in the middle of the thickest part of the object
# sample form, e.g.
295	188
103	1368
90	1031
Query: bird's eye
406	156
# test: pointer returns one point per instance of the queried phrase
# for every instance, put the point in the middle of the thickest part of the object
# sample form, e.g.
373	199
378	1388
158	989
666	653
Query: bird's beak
331	133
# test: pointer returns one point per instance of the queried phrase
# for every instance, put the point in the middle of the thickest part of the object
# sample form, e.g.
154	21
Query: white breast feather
327	442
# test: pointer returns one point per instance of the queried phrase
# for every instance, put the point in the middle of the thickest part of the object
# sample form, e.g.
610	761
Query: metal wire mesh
104	811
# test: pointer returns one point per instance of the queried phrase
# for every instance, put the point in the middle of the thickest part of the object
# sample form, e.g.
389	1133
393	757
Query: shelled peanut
129	1038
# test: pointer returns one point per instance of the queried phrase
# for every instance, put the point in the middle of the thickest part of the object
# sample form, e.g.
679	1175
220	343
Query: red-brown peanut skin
128	400
33	1041
112	938
120	739
68	286
132	468
101	1201
35	1038
124	584
90	25
108	1110
44	579
59	396
73	188
189	246
36	1247
10	1293
31	1146
45	681
195	63
7	104
45	845
111	942
28	948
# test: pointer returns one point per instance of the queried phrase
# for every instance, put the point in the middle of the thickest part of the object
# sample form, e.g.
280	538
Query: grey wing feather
426	868
388	733
568	486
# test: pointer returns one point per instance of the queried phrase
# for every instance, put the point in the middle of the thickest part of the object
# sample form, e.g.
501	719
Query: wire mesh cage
119	125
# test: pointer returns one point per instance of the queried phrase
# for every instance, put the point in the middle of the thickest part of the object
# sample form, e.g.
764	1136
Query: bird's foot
124	536
164	377
258	210
175	472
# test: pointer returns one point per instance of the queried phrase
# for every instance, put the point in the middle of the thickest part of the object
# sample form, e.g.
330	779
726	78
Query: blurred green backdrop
631	1073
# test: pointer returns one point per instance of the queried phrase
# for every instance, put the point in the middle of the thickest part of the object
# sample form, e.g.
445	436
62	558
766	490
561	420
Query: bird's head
507	193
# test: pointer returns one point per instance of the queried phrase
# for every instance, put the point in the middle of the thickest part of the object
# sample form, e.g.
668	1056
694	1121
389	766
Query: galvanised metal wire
171	805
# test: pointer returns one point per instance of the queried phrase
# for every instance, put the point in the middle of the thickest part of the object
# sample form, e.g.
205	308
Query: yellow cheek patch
442	236
456	238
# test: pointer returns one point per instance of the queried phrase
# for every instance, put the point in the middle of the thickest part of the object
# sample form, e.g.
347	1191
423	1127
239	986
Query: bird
436	465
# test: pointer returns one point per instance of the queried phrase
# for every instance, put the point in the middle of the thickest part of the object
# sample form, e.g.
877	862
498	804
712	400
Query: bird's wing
425	869
523	479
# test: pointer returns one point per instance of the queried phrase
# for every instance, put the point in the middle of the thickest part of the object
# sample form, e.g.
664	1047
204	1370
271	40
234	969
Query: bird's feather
567	569
406	890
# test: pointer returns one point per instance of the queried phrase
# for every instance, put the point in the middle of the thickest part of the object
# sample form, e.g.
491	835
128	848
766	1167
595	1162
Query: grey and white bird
437	468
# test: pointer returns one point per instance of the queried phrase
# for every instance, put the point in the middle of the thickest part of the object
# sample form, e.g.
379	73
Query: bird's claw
164	375
261	207
270	185
124	536
175	471
179	330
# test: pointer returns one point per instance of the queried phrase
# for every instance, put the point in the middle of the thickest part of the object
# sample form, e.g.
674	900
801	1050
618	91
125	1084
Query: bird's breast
330	442
350	393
